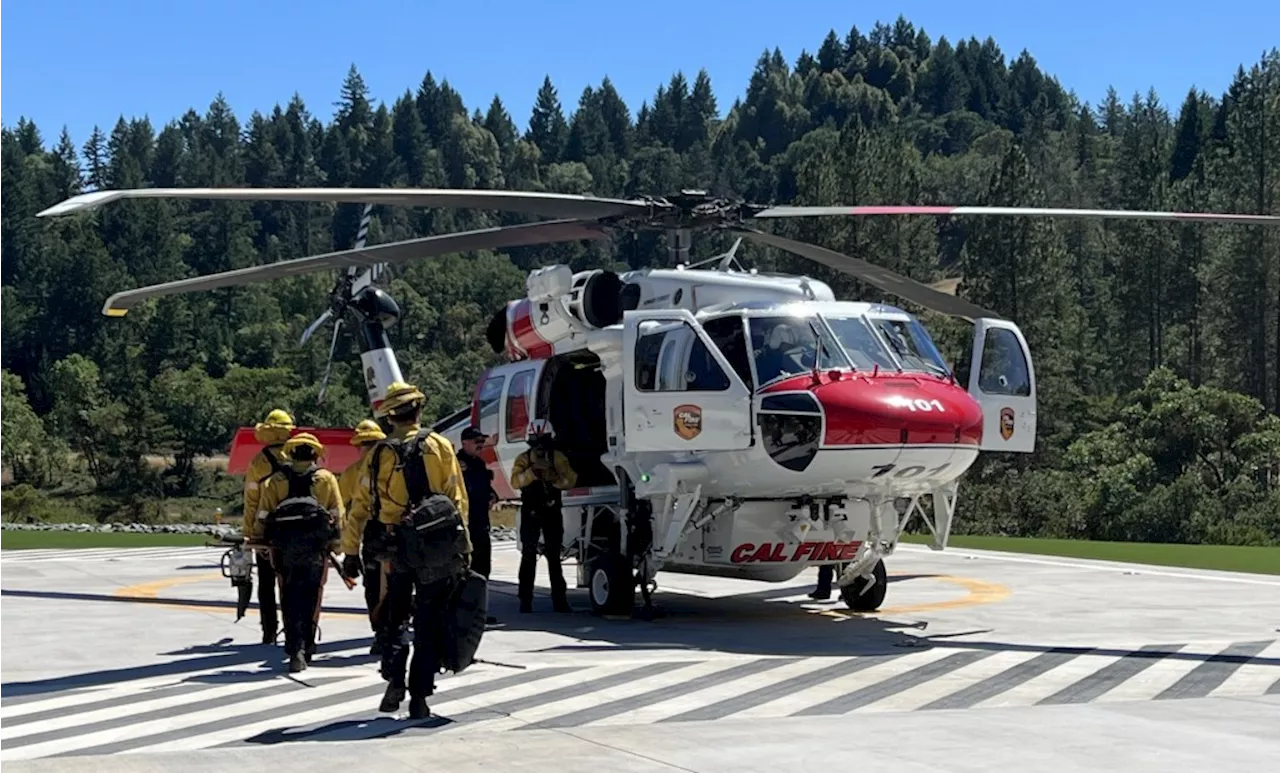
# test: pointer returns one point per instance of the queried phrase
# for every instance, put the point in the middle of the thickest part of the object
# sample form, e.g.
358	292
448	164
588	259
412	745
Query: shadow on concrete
350	730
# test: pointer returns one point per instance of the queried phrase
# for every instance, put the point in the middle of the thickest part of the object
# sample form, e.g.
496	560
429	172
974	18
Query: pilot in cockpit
774	358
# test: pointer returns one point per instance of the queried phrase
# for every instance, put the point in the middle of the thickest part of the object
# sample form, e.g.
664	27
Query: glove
351	566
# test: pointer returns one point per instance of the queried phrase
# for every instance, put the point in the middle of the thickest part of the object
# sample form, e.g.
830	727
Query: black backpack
300	528
431	540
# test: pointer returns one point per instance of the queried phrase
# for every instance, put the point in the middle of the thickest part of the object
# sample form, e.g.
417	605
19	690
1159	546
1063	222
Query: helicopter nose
898	410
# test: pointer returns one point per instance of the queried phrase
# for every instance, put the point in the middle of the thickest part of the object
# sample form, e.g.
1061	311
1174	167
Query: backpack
431	540
300	528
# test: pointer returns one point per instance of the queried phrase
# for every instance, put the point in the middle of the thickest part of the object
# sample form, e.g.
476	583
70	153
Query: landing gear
861	598
610	585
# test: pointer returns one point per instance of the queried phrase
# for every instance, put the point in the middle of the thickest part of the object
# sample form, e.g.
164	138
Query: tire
873	598
610	585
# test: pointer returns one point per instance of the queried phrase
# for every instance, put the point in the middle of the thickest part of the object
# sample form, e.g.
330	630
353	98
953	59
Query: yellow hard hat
400	395
367	431
277	419
300	440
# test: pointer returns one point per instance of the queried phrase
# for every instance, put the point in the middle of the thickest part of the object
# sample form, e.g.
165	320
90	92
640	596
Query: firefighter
415	481
301	514
360	535
541	473
481	498
826	573
271	433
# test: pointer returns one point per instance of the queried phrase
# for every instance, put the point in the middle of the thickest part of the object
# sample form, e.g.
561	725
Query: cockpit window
860	343
789	346
912	344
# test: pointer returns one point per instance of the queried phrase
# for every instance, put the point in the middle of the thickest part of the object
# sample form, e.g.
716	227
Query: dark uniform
541	473
478	479
362	535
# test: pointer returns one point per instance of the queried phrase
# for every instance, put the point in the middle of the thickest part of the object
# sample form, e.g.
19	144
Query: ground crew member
405	471
360	534
271	433
301	513
481	498
541	473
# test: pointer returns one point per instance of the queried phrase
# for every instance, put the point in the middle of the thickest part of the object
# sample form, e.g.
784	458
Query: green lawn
70	540
1260	560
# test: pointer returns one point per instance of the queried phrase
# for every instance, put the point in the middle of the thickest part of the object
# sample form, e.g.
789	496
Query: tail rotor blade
314	326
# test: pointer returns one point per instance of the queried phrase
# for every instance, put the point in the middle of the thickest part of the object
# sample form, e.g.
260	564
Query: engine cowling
531	327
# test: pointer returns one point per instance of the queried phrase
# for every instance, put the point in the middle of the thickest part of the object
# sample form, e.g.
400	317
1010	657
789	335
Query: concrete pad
134	654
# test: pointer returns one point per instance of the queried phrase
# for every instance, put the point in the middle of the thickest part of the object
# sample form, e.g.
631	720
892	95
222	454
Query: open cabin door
679	392
1003	381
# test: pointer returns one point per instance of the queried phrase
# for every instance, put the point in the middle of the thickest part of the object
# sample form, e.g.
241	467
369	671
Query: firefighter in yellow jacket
301	515
387	499
272	434
360	533
541	473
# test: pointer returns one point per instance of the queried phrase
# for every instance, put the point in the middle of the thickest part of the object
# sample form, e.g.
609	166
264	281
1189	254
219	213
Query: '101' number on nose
922	405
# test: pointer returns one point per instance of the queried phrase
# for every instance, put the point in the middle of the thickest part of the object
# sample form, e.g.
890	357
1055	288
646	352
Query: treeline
1157	345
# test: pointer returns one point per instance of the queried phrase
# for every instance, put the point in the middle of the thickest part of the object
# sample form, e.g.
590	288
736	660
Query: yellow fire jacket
254	478
522	472
324	487
443	474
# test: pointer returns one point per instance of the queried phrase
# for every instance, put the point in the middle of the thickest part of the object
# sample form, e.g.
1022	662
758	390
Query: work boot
297	663
268	637
526	605
821	594
391	699
309	652
561	604
418	707
490	620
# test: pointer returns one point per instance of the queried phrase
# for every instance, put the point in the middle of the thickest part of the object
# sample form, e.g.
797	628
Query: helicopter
721	421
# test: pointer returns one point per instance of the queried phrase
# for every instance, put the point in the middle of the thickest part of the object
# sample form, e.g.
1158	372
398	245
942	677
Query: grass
1232	558
71	540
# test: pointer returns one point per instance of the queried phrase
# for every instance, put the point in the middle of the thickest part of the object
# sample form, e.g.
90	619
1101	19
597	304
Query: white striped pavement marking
949	683
1043	685
1255	676
800	700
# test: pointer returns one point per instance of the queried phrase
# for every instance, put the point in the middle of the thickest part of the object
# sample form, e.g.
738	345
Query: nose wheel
861	598
610	586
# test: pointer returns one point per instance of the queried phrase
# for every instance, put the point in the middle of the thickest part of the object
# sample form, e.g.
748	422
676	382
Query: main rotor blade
396	252
559	205
1095	214
877	276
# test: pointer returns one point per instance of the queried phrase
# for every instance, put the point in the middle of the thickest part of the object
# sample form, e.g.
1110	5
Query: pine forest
1157	344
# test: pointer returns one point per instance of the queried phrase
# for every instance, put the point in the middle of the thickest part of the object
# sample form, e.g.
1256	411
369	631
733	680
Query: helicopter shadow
767	622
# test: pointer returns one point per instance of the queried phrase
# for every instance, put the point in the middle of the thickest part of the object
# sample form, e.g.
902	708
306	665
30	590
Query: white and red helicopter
721	421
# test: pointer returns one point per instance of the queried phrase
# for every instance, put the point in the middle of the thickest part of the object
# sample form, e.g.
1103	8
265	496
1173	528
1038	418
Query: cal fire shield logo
688	421
1006	423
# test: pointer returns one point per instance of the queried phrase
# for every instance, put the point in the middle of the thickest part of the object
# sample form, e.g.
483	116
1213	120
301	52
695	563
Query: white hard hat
539	427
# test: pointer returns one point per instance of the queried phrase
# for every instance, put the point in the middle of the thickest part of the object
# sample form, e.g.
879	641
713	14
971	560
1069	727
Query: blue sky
81	62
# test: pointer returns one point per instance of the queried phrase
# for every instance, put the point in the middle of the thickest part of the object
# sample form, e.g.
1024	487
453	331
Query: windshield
789	346
912	345
860	343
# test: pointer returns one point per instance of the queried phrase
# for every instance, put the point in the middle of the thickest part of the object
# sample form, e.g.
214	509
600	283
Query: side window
490	394
683	364
730	335
518	405
704	374
648	347
1004	368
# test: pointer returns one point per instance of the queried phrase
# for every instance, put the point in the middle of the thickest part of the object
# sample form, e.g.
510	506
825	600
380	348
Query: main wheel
610	585
870	601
